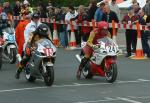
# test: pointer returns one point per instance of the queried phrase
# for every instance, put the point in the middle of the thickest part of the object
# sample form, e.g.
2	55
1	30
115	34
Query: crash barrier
72	40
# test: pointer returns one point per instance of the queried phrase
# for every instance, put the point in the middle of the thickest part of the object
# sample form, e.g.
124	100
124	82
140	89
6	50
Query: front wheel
111	75
49	76
12	55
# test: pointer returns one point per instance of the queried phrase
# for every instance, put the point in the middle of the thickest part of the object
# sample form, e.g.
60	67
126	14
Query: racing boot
17	75
82	64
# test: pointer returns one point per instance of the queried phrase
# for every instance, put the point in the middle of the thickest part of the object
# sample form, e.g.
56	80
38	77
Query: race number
111	49
48	51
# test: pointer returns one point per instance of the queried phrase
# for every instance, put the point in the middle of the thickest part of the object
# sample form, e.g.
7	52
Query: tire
87	72
12	55
1	61
111	75
31	78
49	77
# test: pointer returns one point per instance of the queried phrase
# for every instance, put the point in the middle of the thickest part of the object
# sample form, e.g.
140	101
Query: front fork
108	61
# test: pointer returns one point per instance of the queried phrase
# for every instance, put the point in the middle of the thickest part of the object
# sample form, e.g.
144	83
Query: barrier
55	35
139	51
72	42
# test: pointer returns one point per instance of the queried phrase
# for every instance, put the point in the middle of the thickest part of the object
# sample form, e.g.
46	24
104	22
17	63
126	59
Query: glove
95	46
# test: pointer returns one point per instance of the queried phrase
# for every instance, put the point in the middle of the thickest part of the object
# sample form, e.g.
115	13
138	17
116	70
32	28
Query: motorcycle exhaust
78	57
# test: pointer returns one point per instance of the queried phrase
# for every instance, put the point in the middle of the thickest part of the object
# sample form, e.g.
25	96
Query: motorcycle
10	46
103	61
40	65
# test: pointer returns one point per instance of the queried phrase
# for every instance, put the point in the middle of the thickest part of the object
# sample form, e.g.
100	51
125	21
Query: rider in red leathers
100	32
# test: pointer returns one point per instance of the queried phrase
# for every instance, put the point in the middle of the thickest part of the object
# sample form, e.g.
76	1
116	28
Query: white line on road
74	85
128	100
21	89
107	99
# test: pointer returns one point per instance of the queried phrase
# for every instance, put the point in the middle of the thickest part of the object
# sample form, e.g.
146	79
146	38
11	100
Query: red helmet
103	25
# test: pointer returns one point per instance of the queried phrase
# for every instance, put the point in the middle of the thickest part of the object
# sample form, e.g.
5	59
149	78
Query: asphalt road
132	85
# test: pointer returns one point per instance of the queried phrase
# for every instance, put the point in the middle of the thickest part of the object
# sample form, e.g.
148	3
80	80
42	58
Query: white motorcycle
103	60
10	45
40	65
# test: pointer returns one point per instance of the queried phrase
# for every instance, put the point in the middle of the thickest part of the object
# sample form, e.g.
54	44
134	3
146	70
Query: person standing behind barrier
131	35
144	35
146	8
72	16
16	12
99	12
7	8
92	9
108	16
114	7
136	8
61	28
83	30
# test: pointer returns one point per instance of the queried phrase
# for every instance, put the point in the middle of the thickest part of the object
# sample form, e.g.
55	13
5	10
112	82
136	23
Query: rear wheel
111	75
49	76
12	55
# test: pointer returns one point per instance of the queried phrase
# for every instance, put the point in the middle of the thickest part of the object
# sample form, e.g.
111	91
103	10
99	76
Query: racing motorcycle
10	46
103	60
40	65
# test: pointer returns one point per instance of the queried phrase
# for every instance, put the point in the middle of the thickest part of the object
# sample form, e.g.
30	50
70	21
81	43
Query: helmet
103	25
3	17
35	16
42	30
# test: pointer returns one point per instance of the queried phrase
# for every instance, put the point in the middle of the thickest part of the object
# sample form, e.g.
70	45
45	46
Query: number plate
11	37
111	49
48	51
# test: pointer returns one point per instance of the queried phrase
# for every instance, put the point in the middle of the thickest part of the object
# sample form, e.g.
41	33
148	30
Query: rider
3	22
40	33
97	33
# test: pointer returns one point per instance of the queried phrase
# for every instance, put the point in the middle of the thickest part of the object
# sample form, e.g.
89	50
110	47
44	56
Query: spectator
108	16
147	8
114	7
92	9
144	34
131	35
6	8
136	8
99	12
1	8
71	16
84	31
50	15
42	11
16	12
60	16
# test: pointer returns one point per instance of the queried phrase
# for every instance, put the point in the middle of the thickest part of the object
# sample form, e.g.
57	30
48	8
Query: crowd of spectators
102	11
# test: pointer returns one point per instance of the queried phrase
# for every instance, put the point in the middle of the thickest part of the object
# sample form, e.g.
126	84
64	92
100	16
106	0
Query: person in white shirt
72	15
35	22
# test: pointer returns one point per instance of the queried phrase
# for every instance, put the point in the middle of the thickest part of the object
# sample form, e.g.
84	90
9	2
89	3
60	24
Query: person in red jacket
20	34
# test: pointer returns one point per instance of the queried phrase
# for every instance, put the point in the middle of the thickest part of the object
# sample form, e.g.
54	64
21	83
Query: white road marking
74	85
128	100
102	100
21	89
